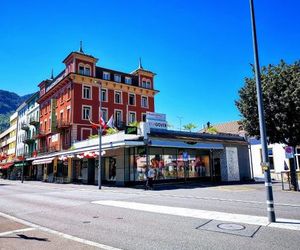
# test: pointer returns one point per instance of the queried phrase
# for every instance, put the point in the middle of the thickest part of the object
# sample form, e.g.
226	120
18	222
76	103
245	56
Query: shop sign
54	138
131	130
289	152
152	116
158	124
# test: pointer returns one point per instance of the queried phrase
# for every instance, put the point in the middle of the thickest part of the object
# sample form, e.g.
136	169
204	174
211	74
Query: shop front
175	156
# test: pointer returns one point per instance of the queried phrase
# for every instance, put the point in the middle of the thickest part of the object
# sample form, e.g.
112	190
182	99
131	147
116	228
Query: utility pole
100	136
262	126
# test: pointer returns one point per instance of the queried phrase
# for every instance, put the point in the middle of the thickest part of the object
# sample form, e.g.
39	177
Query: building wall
280	162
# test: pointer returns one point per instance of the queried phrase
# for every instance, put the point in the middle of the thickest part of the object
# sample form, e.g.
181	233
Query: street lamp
262	126
180	118
100	136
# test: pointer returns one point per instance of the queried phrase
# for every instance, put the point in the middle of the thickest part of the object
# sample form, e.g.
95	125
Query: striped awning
6	166
43	161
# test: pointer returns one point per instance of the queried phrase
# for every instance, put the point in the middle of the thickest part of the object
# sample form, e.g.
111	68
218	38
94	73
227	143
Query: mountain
9	102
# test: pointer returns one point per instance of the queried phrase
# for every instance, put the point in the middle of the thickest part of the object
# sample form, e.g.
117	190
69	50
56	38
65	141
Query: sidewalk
18	236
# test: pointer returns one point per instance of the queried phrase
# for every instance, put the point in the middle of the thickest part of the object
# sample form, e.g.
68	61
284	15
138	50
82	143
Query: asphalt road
67	208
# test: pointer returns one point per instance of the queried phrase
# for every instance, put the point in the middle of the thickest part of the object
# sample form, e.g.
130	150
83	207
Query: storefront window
169	163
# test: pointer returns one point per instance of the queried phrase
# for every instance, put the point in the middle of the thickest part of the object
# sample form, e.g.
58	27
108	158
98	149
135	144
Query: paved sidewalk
18	236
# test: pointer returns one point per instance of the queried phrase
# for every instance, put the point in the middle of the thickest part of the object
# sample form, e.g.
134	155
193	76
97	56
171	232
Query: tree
210	129
281	97
189	127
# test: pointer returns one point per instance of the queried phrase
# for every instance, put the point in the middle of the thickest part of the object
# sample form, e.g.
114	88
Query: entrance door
216	171
110	168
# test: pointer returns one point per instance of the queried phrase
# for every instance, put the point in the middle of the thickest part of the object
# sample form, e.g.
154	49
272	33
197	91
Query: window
118	97
81	70
103	95
148	84
86	92
132	117
144	84
106	76
86	112
143	117
104	114
68	115
144	101
297	155
131	99
87	71
118	117
84	70
128	80
117	78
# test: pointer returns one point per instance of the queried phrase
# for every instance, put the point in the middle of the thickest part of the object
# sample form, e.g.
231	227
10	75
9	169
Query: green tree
189	127
281	97
210	129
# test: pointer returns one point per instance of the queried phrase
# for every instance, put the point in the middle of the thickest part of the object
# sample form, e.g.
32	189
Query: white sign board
156	120
233	171
289	152
157	124
151	116
54	138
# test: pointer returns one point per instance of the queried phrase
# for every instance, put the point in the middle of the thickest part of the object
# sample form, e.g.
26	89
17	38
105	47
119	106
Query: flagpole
100	137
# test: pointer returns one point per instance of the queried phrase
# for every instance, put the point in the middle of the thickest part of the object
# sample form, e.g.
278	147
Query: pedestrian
150	176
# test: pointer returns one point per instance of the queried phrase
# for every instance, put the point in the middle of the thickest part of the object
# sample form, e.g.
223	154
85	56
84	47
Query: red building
69	99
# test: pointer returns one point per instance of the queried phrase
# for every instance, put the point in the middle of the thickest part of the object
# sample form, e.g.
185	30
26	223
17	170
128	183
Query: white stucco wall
278	157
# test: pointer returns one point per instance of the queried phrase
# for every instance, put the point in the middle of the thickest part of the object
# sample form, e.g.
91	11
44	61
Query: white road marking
17	231
200	198
203	214
66	236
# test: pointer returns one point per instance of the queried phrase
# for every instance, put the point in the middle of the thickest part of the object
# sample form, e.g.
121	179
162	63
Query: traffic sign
289	152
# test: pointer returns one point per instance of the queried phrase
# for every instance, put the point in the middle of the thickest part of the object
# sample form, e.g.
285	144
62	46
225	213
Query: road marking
17	231
66	236
203	214
199	198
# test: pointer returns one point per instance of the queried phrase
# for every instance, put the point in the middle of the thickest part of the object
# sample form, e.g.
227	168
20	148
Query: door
216	171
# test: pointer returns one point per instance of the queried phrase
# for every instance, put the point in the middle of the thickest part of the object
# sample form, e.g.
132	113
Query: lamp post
180	118
262	126
100	136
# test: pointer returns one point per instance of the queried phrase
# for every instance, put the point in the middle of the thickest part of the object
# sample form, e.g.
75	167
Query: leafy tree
281	97
210	129
189	127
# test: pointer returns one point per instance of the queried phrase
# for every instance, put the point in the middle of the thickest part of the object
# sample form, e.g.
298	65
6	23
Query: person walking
150	175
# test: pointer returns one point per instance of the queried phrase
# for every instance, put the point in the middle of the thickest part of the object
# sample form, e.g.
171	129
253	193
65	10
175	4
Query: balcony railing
24	126
28	140
61	124
34	121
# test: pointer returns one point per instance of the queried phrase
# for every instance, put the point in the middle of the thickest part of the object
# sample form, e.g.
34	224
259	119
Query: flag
110	122
98	125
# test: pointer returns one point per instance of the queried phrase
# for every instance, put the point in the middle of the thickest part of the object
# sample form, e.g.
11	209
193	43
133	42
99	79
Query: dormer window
81	70
128	80
106	76
117	78
148	84
84	70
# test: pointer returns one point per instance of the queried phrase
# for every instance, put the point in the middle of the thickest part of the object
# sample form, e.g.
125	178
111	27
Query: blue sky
200	50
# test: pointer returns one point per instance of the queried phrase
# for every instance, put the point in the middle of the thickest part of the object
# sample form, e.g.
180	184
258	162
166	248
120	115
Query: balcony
24	126
28	140
40	134
34	121
62	124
